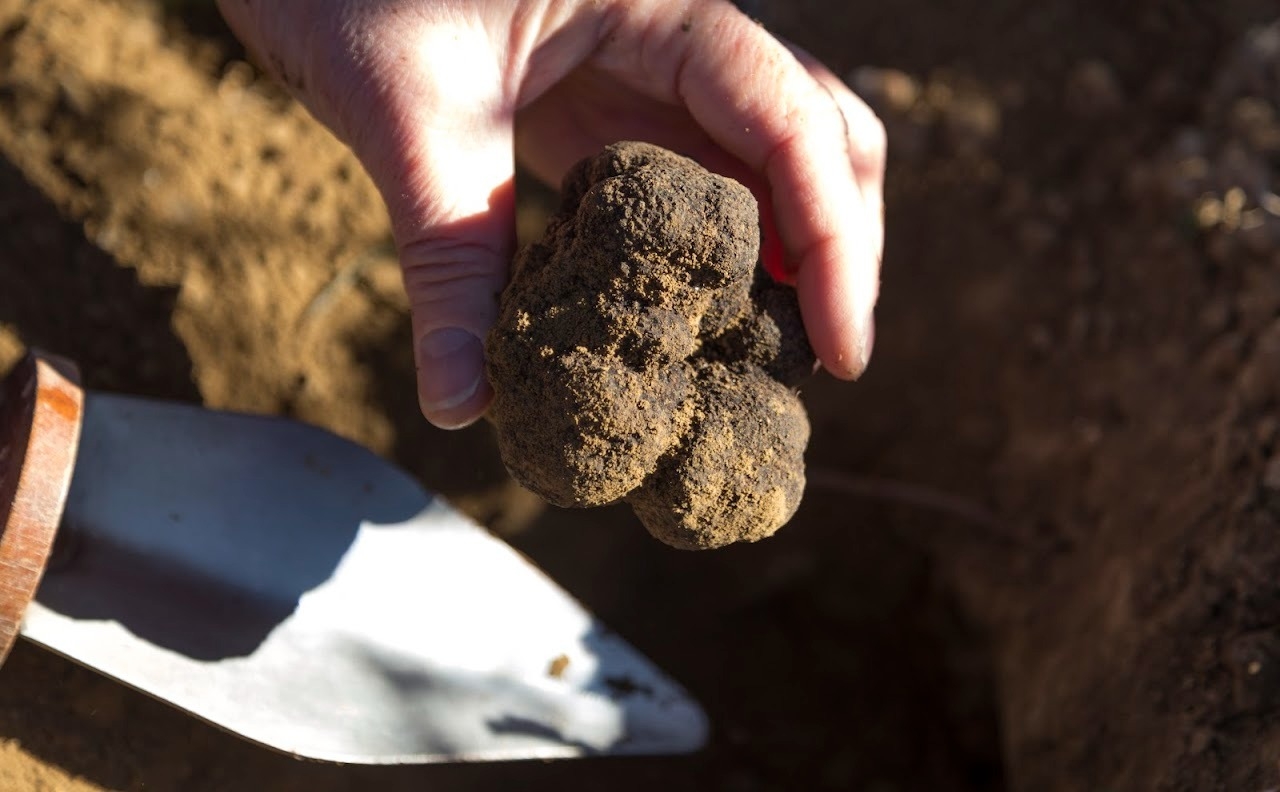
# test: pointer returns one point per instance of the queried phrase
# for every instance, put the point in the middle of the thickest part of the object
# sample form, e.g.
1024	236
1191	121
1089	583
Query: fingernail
868	341
452	363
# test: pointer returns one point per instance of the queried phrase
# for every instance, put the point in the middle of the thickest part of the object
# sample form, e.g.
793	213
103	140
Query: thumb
436	137
417	91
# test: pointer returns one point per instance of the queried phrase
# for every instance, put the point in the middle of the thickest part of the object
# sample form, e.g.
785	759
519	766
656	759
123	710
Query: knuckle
444	268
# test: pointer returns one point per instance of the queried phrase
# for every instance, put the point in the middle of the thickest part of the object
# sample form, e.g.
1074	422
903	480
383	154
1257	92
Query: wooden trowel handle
41	410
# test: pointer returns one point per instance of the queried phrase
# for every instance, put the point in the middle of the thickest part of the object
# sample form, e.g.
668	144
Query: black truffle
641	353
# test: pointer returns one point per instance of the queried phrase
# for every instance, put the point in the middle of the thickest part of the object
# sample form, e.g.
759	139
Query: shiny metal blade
296	589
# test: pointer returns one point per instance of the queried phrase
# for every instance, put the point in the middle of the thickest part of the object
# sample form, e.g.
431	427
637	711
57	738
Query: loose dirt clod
641	353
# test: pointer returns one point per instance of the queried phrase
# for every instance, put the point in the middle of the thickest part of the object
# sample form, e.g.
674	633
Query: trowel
296	589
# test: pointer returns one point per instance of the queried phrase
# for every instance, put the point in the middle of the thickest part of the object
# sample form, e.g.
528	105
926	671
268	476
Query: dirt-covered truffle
641	353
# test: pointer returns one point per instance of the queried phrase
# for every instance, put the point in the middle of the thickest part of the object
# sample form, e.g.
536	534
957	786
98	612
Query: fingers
435	135
449	187
420	100
865	136
785	124
802	130
428	110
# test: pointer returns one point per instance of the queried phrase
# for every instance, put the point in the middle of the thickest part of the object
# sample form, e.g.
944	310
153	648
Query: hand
436	97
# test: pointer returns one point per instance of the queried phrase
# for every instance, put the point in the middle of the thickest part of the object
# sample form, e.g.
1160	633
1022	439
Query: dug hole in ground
1038	549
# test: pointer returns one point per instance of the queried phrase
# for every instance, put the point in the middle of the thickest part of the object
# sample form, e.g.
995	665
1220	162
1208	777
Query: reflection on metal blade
298	590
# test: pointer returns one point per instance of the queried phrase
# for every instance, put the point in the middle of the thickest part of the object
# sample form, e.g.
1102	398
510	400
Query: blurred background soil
1078	352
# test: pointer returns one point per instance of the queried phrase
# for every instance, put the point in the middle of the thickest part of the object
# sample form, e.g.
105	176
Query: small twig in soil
908	494
348	274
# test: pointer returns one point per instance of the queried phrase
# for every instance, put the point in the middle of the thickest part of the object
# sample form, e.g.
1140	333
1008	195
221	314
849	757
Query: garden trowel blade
298	590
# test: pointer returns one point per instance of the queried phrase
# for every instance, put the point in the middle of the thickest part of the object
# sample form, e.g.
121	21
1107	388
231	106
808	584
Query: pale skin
437	98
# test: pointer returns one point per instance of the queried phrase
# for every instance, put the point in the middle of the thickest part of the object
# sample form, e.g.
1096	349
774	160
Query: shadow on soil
64	294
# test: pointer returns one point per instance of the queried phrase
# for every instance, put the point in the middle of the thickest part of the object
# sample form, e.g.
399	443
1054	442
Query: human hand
436	98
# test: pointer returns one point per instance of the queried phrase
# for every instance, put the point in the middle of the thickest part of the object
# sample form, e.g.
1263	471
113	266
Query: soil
1038	548
642	354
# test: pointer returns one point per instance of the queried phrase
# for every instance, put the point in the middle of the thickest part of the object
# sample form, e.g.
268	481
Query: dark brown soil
1038	548
641	353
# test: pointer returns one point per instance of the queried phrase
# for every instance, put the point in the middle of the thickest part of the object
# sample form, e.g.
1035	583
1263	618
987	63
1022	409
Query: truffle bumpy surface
642	354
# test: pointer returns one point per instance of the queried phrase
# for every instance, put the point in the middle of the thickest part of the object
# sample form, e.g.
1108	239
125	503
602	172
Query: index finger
762	105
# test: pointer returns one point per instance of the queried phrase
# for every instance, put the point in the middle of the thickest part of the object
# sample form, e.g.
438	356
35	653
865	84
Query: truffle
641	353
